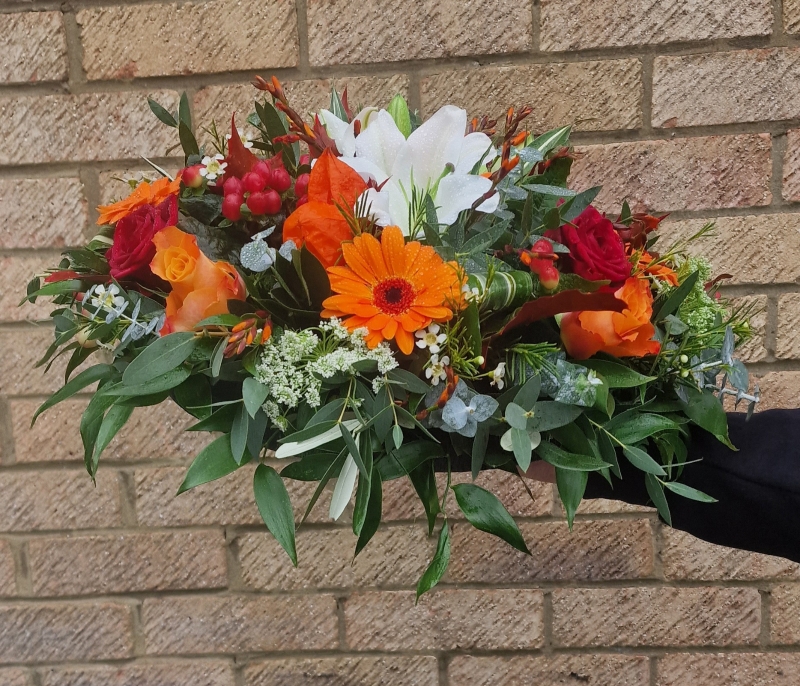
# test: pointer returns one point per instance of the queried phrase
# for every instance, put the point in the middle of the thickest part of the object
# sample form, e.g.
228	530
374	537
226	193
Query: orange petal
393	247
332	181
405	340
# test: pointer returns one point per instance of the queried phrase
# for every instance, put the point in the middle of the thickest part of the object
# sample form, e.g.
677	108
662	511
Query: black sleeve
758	486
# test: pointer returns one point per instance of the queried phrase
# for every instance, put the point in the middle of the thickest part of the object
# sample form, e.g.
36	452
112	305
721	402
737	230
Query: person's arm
758	487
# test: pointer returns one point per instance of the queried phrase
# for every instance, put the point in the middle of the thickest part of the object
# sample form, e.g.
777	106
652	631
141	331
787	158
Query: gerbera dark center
393	296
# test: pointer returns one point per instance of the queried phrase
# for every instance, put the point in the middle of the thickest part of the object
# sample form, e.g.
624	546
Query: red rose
596	251
133	249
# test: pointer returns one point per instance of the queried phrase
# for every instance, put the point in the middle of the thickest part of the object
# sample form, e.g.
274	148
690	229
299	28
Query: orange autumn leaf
623	334
318	223
200	287
392	288
145	193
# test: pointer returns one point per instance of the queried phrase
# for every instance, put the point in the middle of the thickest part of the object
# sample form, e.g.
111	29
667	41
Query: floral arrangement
376	297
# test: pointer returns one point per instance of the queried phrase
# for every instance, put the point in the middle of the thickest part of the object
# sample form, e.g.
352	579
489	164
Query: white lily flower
431	338
437	158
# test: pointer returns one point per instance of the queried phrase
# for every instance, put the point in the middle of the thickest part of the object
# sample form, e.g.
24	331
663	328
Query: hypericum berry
301	185
232	207
259	203
253	183
263	170
543	246
281	181
549	277
233	186
302	200
191	176
273	202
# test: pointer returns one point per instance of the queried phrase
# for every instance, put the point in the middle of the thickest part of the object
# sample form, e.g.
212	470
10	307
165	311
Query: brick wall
683	106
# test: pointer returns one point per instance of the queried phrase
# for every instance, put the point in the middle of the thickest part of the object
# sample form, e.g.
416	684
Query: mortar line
771	327
443	665
647	95
19	552
76	78
8	452
653	673
536	25
127	499
766	618
137	630
301	10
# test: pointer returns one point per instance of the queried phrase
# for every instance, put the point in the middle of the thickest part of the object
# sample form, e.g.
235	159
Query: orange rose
623	334
319	223
144	194
200	287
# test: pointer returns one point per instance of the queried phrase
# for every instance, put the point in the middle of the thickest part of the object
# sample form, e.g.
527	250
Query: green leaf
219	320
571	487
113	421
163	115
188	141
529	393
655	490
689	492
213	462
641	426
484	240
516	416
374	511
548	415
397	436
521	443
239	433
165	382
676	298
617	375
337	106
438	566
424	482
608	452
219	420
184	113
194	396
218	357
579	203
409	381
403	461
91	421
98	372
257	427
472	323
641	460
705	410
311	467
275	507
544	189
353	449
398	109
254	393
551	139
160	357
479	445
558	457
485	512
360	507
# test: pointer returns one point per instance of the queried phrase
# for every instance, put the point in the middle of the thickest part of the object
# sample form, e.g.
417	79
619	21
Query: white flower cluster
293	368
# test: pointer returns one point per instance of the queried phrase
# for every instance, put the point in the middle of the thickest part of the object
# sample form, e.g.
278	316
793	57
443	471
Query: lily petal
458	192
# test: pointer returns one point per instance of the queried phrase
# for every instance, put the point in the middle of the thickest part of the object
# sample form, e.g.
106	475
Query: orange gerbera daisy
392	288
144	194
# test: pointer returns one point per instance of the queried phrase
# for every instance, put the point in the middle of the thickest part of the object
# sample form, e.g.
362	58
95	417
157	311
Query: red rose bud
133	249
233	186
253	183
281	181
549	277
301	185
191	176
232	207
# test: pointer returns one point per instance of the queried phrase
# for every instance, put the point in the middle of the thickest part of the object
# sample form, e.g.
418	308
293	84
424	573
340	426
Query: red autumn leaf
64	275
565	301
240	160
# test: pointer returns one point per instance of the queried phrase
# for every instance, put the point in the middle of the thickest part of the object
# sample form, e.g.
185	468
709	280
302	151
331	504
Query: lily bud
398	109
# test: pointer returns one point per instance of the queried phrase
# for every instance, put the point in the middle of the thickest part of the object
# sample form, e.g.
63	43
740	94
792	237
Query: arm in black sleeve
758	486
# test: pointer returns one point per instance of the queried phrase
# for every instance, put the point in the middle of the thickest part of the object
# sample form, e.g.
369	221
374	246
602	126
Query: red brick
15	677
573	24
755	350
656	617
604	506
595	96
414	30
227	35
524	670
239	624
785	614
58	500
743	246
97	126
15	273
593	551
729	669
151	433
791	166
408	670
86	565
196	673
57	632
686	557
396	556
8	585
34	47
222	502
725	87
779	390
445	620
680	174
42	213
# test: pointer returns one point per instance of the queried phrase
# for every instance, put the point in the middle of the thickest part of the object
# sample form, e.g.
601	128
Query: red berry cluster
259	189
540	258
